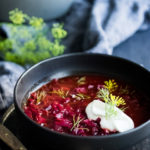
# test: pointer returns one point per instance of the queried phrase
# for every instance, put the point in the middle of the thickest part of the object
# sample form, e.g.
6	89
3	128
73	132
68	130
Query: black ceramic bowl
80	63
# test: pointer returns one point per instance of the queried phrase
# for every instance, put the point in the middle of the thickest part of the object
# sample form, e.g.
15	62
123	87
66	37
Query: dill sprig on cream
110	99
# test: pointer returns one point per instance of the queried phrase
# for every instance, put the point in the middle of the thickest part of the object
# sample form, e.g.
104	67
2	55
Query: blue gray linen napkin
103	24
9	74
114	21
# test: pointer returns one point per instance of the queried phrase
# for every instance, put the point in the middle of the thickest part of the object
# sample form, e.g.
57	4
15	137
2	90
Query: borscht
89	105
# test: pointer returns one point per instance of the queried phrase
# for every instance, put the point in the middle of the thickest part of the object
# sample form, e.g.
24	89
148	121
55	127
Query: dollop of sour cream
119	122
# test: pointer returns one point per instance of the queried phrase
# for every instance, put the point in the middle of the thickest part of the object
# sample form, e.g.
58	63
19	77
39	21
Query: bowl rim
140	127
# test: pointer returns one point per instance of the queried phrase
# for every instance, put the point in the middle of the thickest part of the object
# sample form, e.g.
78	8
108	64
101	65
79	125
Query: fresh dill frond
124	90
40	96
103	94
80	96
76	122
110	110
110	100
123	108
81	80
60	92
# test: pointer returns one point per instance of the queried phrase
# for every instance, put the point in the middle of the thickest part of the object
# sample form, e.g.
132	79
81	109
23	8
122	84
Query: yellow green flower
36	22
116	100
58	32
17	16
111	85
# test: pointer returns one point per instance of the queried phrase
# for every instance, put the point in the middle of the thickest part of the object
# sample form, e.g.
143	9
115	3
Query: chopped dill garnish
124	90
76	122
40	96
123	108
81	81
80	96
111	85
60	92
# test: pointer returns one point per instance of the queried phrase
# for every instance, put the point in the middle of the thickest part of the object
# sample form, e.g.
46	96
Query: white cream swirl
119	122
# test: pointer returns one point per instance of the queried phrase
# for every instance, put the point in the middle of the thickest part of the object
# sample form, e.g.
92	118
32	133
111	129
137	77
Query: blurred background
33	30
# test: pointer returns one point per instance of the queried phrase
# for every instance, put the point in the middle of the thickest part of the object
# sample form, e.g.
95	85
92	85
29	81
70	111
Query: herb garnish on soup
87	106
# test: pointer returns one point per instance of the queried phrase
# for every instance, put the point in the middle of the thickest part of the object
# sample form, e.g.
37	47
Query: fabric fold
112	22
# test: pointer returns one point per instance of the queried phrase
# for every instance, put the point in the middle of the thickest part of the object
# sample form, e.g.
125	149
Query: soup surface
60	104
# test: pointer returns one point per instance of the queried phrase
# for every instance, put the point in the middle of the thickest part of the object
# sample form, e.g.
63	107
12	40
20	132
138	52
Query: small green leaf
110	100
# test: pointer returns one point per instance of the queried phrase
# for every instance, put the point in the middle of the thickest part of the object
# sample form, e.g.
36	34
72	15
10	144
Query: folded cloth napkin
9	74
113	21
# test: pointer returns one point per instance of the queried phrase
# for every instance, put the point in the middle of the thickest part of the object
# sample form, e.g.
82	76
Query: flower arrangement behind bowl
29	39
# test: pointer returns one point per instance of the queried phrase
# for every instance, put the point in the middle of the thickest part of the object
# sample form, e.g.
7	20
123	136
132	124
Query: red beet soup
60	104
